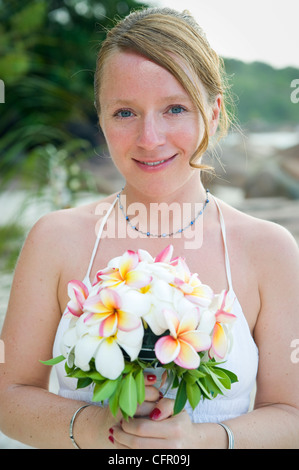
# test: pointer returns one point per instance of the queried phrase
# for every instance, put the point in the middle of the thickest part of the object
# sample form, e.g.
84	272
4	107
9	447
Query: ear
215	114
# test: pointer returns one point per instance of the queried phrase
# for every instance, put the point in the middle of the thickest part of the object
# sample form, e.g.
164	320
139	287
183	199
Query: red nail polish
160	395
111	439
151	377
155	413
111	430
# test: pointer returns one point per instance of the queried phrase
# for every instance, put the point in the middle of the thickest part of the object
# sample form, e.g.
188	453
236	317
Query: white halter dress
242	360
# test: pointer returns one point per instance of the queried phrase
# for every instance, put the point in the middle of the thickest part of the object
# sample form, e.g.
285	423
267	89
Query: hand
161	431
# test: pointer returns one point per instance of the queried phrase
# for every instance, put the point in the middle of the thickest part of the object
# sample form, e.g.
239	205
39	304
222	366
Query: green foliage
11	236
262	93
47	60
128	390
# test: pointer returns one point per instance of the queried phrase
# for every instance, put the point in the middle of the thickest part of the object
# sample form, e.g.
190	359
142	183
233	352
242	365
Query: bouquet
144	312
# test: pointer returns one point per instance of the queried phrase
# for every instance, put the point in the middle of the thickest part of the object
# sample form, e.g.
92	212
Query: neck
192	192
157	215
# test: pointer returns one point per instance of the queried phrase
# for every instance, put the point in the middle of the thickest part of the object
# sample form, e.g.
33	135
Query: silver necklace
162	235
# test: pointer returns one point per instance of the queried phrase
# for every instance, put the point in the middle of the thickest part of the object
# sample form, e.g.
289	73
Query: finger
152	397
150	379
163	410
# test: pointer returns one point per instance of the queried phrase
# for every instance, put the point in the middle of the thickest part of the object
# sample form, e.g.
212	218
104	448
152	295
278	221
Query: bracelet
72	425
230	435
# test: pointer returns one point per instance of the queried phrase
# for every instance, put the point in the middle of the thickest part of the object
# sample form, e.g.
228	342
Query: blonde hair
163	35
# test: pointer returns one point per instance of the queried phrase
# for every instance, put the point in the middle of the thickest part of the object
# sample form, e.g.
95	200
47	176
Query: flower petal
108	326
219	341
135	302
78	292
85	349
189	322
165	255
144	255
198	340
110	299
127	321
224	317
109	359
172	321
138	279
131	341
129	261
188	357
167	348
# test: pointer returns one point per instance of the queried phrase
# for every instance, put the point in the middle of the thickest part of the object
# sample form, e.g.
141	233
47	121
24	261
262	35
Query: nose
151	133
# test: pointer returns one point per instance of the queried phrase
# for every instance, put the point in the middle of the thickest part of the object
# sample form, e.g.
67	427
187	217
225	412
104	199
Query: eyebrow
126	102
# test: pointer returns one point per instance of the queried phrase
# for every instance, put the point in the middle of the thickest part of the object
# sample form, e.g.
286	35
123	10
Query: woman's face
151	126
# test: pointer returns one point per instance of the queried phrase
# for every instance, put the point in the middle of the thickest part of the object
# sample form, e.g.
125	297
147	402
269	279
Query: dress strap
87	275
223	231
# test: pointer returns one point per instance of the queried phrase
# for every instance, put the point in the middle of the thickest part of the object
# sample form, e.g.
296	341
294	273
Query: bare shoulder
67	221
59	233
268	243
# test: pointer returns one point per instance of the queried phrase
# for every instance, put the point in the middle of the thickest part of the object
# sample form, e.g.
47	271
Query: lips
154	164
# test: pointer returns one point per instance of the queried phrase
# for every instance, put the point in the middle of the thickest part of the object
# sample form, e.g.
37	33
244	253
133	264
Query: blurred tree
47	59
263	94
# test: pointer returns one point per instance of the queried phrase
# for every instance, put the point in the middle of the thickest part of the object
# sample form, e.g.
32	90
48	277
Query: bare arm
28	411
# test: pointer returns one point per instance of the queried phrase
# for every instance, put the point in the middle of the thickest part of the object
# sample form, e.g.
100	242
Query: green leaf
104	390
193	394
52	362
211	386
128	395
181	398
139	379
94	375
223	378
233	377
77	374
175	382
203	386
82	383
114	401
196	373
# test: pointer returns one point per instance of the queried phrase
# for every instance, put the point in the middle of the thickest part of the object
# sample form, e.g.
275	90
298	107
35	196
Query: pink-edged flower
124	272
78	293
221	338
192	288
106	309
184	341
165	255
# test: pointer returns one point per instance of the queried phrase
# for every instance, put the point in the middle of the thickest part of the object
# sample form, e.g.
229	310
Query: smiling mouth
155	163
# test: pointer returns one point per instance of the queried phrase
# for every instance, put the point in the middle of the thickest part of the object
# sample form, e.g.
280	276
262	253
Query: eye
177	109
123	113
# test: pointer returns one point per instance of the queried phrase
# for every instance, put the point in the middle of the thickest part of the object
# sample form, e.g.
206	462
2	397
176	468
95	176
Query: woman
160	98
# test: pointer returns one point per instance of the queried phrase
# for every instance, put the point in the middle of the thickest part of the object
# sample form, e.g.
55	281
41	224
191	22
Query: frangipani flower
109	359
184	341
78	293
221	339
191	286
123	270
105	308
